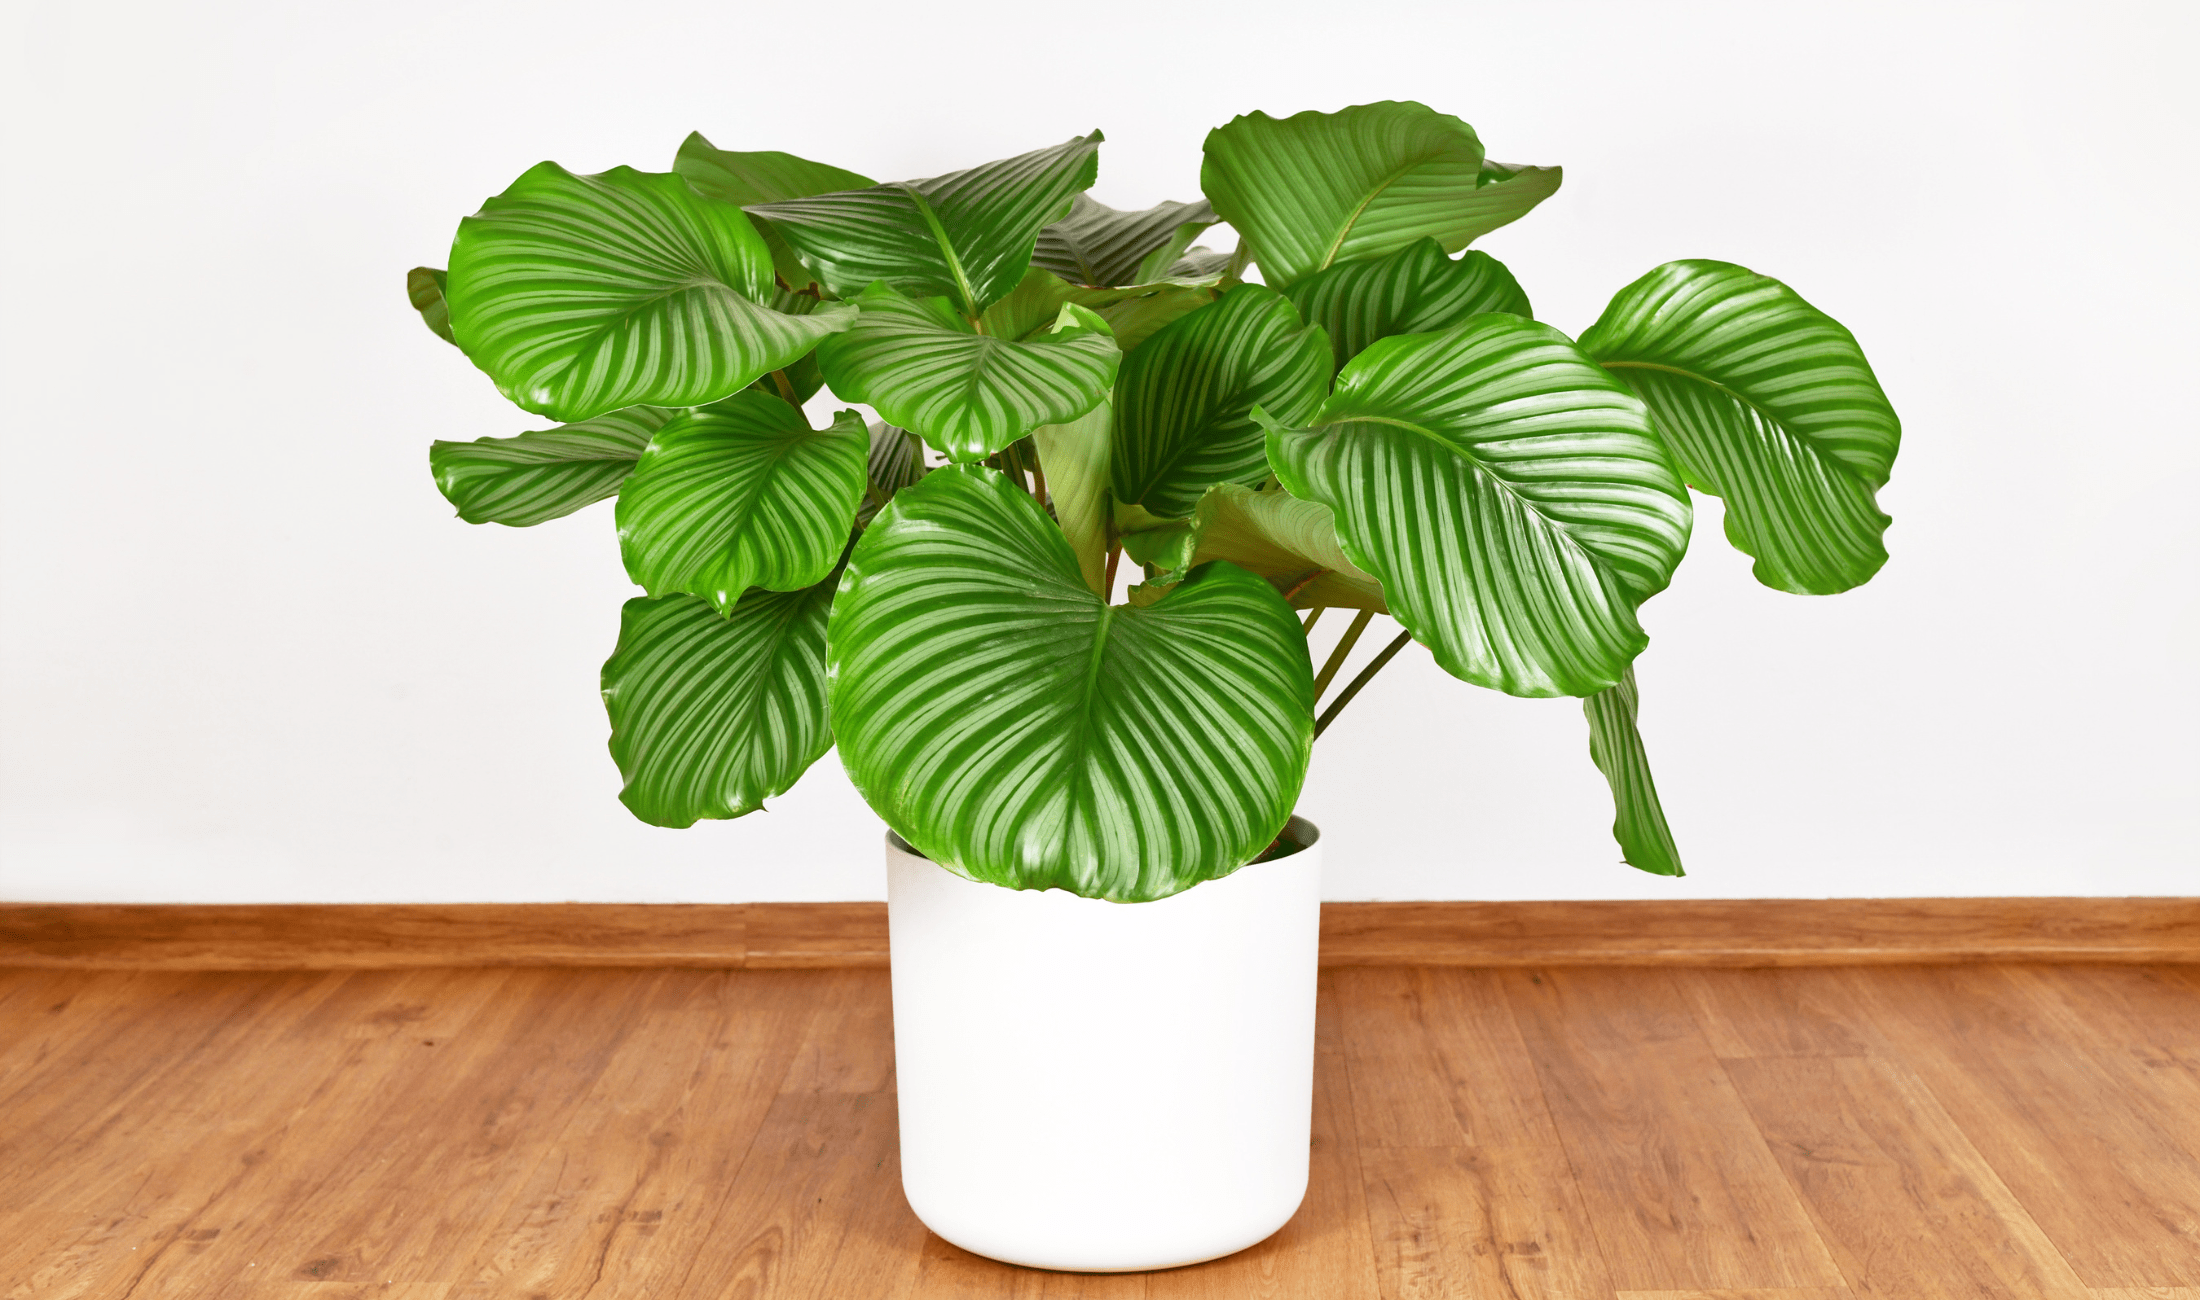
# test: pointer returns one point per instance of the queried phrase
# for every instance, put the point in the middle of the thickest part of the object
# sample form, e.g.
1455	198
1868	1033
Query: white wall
249	654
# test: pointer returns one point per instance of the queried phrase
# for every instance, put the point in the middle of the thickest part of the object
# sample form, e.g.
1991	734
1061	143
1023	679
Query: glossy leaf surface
1014	728
1103	247
424	289
1767	402
765	176
1184	401
967	236
544	474
1074	458
896	460
968	394
1645	842
580	295
1507	493
712	715
1416	290
1290	542
1315	189
742	494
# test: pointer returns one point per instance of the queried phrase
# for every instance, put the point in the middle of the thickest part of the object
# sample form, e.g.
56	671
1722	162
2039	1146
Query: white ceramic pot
1105	1087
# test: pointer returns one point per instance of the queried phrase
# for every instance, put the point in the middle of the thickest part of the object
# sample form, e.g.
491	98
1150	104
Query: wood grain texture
1585	1134
1716	933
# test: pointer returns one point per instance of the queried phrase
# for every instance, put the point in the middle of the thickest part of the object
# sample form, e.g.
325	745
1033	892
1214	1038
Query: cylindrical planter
1105	1087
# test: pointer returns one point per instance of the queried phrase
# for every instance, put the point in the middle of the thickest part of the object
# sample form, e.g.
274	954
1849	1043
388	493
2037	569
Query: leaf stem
786	389
1313	618
1344	647
1107	584
1301	585
1039	485
1390	651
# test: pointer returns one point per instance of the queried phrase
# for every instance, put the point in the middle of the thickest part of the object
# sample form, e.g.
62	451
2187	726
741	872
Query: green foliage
1291	542
1616	748
424	286
1416	290
764	177
1099	246
522	481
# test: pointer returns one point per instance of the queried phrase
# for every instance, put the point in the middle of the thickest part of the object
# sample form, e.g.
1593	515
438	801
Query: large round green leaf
1506	492
966	236
742	494
1101	246
583	294
1184	401
1014	728
711	715
1416	290
763	176
1615	746
544	474
1315	189
968	394
1767	402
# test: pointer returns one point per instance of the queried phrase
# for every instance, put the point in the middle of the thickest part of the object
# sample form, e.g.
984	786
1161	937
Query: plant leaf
1014	728
1615	747
712	715
801	377
522	481
1290	542
1100	246
967	236
1315	189
424	287
1184	401
1074	457
1767	402
1144	311
1416	290
767	176
968	394
583	294
1508	494
741	494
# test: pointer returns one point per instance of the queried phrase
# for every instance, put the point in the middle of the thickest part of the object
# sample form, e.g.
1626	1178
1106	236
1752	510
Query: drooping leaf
1416	290
542	475
1014	728
1767	402
1315	189
1103	247
968	394
1508	494
1074	457
797	381
584	294
742	494
967	236
711	714
424	288
1290	542
1134	313
1184	402
766	176
1615	747
1198	265
896	461
1140	313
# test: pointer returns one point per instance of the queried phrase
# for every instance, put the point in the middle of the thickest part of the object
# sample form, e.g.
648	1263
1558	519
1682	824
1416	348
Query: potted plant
1103	1015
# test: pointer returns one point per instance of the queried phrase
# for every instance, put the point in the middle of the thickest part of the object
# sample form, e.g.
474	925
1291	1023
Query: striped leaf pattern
580	295
1184	401
1615	747
1134	313
1014	728
896	460
424	288
1316	189
742	494
1416	290
967	236
1507	493
1290	542
968	394
765	176
1074	457
712	715
542	475
1767	402
1102	247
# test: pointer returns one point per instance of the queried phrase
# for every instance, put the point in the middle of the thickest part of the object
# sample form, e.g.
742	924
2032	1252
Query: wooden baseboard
1778	932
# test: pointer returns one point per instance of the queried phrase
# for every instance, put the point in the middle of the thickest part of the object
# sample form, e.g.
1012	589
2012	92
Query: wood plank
1748	1293
2147	1293
1778	1011
1674	1176
1780	932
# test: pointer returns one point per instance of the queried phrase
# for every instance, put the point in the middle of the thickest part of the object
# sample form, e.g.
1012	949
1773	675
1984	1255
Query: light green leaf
583	294
1144	311
1184	402
1074	458
1100	246
742	494
1767	402
968	394
424	288
766	176
1316	189
712	715
1134	313
1616	748
967	236
1508	494
1290	542
1416	290
1014	728
541	475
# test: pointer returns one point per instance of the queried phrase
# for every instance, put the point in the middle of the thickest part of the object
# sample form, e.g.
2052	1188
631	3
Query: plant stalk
1344	647
1039	485
1390	651
1313	618
1107	584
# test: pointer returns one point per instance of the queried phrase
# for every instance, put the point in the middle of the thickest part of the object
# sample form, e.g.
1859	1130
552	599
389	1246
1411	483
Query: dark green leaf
763	177
1616	748
1767	402
1102	247
1416	290
542	475
1014	728
896	461
424	287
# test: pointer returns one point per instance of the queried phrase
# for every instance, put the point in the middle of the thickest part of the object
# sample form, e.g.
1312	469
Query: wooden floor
1637	1134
